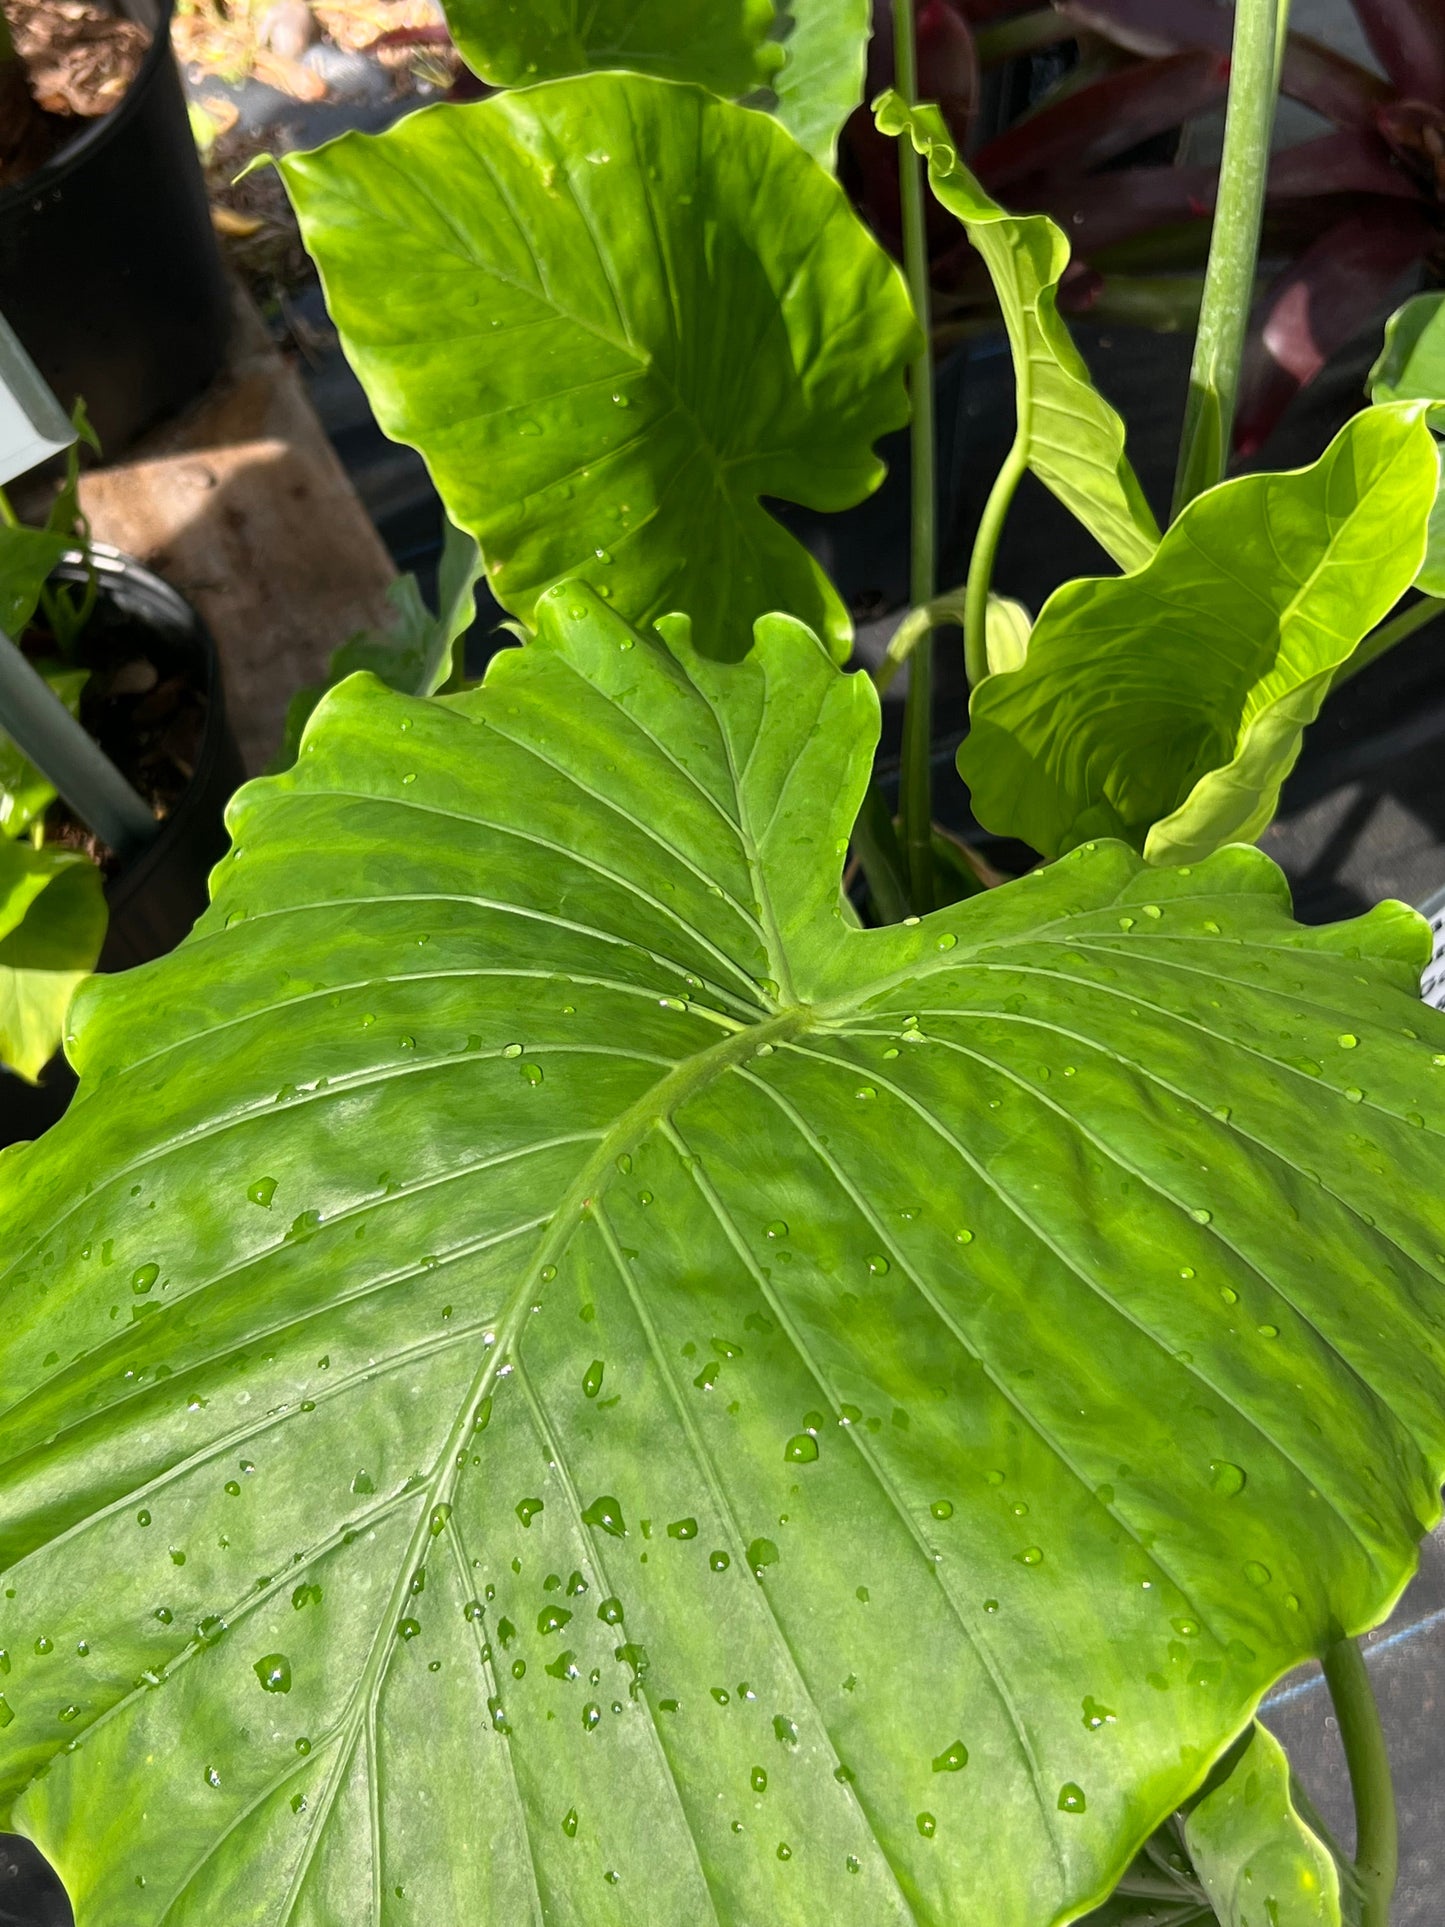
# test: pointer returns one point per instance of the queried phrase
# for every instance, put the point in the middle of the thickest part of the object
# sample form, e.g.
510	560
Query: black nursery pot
109	269
153	901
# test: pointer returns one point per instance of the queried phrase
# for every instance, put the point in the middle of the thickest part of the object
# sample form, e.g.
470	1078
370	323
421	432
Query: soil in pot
154	702
75	61
145	702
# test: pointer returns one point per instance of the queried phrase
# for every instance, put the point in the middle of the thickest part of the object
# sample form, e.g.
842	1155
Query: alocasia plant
562	1368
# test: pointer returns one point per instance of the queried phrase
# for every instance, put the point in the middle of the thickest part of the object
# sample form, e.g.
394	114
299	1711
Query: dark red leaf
1104	119
1408	37
1106	209
1320	302
1336	87
1350	161
1103	210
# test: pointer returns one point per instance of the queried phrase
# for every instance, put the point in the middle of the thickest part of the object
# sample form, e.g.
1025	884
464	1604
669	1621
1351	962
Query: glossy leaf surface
1168	707
1259	1863
821	79
546	1370
532	291
52	924
1075	440
723	45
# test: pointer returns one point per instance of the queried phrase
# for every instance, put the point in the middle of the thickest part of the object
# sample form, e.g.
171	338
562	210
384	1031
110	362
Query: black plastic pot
156	899
109	270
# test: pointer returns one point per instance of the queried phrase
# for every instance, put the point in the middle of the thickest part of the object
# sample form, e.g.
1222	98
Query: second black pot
156	899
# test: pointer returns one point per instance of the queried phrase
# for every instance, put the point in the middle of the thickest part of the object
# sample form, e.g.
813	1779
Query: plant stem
1377	1849
876	842
1387	635
43	729
916	794
1259	29
980	563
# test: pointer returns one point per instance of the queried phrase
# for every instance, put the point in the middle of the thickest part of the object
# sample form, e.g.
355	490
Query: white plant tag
32	423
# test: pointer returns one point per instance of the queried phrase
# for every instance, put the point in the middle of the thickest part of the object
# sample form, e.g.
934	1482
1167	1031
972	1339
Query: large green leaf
822	77
547	1375
1411	367
1073	440
723	45
52	924
1167	707
612	313
1260	1864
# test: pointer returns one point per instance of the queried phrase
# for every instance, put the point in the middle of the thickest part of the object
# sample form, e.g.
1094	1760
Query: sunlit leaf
1260	1864
52	924
529	289
545	1370
1073	439
1167	707
723	45
822	76
1007	626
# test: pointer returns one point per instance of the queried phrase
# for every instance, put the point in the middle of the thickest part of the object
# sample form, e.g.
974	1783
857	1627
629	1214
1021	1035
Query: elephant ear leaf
1257	1859
723	45
1168	707
822	77
52	924
1411	367
1072	439
545	1369
471	253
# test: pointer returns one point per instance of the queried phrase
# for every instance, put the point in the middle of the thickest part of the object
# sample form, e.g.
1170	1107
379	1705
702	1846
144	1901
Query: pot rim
76	152
113	566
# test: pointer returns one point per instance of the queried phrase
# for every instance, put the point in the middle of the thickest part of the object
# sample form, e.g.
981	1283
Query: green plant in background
52	912
550	1372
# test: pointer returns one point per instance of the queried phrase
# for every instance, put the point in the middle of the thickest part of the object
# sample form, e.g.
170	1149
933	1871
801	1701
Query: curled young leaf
529	291
1168	707
533	1316
1256	1857
723	45
1074	439
52	924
